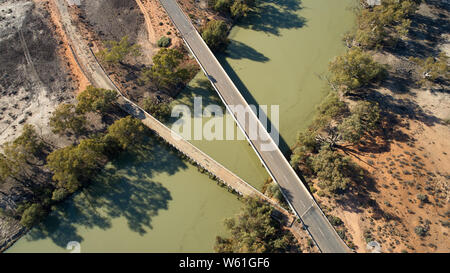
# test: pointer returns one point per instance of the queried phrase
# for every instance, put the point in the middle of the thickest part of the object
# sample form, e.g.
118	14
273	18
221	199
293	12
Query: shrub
215	35
355	69
422	231
164	41
32	215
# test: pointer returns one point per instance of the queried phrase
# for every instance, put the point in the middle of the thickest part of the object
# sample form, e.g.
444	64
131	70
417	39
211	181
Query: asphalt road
276	164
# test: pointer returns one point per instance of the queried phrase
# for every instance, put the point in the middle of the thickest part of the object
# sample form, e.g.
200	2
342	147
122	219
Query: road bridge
293	189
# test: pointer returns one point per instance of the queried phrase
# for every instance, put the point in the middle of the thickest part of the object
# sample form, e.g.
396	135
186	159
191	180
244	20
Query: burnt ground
34	79
29	89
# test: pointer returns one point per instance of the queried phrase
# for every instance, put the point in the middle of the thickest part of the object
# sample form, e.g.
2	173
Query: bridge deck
98	77
276	164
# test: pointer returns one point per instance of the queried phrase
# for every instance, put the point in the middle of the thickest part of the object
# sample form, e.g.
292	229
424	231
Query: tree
382	24
432	68
65	118
215	35
330	108
236	8
254	230
74	165
96	100
355	69
32	215
166	71
116	52
332	169
156	108
127	132
7	168
364	119
239	9
29	141
164	41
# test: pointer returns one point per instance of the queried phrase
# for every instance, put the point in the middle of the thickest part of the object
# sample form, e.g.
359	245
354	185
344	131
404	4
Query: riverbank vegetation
254	230
71	167
360	154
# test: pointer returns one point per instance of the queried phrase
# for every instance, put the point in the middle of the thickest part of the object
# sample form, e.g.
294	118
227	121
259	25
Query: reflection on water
155	202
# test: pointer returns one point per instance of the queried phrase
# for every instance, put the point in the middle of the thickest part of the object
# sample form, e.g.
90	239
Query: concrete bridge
293	189
96	75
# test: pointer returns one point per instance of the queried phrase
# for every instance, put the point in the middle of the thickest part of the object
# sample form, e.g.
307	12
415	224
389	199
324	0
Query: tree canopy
65	119
382	24
166	71
116	52
156	108
127	132
332	169
363	119
74	165
96	100
215	35
254	230
432	68
355	69
236	8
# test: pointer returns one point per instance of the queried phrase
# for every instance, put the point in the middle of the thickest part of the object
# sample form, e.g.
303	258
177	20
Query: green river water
157	202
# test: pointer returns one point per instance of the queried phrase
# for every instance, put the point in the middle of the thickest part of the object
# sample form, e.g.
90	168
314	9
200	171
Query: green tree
127	132
364	119
116	52
96	100
215	35
156	108
382	24
164	41
333	170
65	119
239	9
7	168
29	141
254	230
330	108
32	215
166	71
74	165
432	68
355	69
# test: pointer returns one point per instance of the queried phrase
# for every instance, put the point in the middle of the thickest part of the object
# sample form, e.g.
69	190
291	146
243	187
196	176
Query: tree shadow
273	15
238	50
425	33
124	189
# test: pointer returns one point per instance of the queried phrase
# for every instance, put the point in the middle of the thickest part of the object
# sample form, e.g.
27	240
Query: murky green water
163	204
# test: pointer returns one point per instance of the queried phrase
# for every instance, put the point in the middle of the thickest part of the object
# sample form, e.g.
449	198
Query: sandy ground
414	159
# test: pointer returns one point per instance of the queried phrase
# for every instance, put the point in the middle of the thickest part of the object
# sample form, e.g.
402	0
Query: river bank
232	155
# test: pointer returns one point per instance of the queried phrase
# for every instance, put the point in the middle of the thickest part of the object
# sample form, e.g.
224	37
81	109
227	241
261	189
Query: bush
215	35
96	100
156	108
65	119
421	231
164	41
355	69
334	220
166	71
32	215
116	52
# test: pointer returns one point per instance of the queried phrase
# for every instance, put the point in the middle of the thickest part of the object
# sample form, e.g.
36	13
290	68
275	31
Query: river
163	204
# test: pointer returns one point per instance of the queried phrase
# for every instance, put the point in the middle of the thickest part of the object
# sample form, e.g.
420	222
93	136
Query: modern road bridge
92	69
274	161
